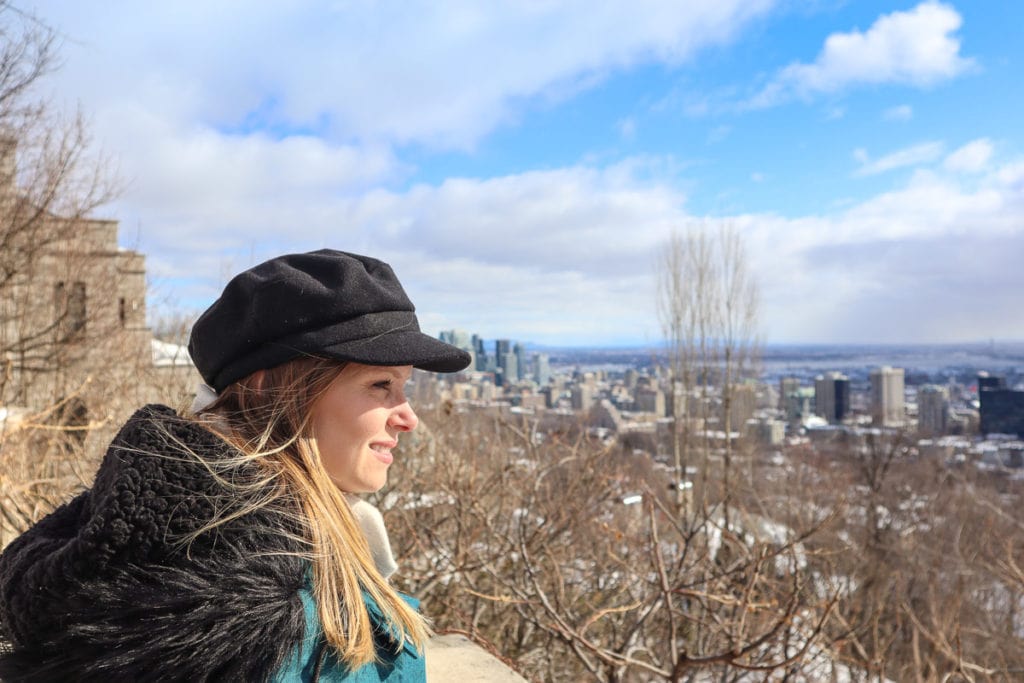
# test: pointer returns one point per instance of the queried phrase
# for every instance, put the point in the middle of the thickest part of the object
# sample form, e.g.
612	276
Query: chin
362	487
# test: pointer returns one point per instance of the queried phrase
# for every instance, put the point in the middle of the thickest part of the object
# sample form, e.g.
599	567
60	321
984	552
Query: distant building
480	354
502	349
1002	411
787	386
742	404
768	432
987	381
842	398
582	397
520	352
887	401
798	404
647	399
933	410
541	369
832	396
509	369
604	415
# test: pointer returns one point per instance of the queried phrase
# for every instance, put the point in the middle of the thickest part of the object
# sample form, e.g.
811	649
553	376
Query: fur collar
104	589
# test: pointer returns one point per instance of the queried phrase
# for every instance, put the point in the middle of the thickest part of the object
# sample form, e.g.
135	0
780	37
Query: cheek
336	448
335	437
342	437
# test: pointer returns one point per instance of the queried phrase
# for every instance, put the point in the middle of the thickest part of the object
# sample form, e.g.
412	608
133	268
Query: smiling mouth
383	452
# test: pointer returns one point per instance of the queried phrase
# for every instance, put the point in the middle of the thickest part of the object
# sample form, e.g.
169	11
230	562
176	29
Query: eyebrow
390	370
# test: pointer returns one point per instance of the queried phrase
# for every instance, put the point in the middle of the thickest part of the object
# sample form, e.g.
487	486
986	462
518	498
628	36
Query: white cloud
902	112
566	255
971	158
182	92
917	48
916	155
905	265
442	74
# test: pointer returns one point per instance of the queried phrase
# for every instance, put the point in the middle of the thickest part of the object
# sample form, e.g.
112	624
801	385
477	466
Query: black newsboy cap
324	303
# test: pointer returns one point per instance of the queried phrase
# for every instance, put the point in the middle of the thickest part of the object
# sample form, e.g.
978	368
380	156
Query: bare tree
74	349
735	334
48	184
707	305
528	543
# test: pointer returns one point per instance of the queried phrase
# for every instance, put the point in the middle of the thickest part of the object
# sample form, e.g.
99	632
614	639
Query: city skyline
520	167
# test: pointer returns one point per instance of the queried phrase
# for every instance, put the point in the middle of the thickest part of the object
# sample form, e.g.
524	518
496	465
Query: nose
403	418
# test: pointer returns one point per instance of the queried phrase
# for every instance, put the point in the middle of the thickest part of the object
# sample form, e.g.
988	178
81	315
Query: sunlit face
357	421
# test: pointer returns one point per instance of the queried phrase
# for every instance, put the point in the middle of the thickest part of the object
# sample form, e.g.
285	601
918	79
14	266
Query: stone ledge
454	657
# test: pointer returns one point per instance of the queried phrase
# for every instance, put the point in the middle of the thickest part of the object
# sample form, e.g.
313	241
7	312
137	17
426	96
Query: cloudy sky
521	163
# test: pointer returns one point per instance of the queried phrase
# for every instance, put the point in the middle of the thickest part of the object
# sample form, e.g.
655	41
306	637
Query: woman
227	545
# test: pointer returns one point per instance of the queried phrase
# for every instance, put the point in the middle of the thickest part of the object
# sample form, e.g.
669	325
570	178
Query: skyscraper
520	352
502	348
832	396
887	407
480	353
987	381
1002	409
509	369
932	409
541	369
824	397
842	392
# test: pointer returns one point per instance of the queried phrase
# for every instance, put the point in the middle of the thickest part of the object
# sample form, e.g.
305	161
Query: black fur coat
103	589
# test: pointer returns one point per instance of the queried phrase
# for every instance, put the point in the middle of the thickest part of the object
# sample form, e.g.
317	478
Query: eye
382	384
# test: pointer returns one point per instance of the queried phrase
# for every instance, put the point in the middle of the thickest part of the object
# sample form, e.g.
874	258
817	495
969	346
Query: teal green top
404	666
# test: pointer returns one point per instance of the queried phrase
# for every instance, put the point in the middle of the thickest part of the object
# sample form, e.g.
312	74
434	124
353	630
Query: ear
256	380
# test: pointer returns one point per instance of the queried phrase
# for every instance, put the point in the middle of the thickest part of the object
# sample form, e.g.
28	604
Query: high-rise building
541	369
887	403
630	377
502	348
832	396
520	352
1002	409
932	409
480	352
582	397
824	397
509	369
842	395
649	400
987	381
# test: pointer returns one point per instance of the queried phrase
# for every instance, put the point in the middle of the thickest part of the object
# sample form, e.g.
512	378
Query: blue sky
521	164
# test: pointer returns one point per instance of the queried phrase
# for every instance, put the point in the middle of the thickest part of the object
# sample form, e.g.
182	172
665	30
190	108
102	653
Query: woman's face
357	421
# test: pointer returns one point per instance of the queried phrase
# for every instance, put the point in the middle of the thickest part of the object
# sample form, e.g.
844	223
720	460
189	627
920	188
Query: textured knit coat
115	586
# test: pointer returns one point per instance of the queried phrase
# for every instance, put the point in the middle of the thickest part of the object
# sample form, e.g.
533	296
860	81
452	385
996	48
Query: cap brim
402	347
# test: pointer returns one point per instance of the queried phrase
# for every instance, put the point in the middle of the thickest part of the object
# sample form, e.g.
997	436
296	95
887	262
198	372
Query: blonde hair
267	417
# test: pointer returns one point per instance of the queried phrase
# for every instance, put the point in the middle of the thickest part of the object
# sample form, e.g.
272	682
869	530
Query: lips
383	451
